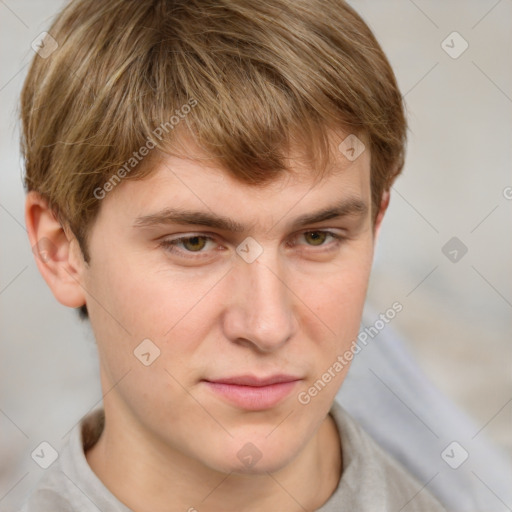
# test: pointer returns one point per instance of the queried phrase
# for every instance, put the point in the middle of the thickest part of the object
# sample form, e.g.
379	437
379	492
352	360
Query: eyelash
171	245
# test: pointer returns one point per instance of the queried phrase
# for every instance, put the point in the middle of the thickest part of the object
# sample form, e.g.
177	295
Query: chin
257	457
260	468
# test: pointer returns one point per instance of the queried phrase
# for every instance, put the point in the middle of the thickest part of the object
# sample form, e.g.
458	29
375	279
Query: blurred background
444	250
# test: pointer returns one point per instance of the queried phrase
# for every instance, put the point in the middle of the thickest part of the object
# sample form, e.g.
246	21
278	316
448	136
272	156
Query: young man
206	182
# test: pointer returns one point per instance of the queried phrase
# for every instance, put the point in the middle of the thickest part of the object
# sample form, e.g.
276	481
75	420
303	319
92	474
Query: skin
170	443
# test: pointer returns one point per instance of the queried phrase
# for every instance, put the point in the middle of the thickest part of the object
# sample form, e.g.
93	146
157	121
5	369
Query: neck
148	478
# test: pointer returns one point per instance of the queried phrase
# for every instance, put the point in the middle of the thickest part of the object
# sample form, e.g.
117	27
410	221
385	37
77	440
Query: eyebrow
352	206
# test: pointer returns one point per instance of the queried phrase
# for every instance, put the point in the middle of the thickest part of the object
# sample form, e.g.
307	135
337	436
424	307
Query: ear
56	250
380	215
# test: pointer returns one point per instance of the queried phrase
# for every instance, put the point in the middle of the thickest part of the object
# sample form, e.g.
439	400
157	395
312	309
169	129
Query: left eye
191	243
317	238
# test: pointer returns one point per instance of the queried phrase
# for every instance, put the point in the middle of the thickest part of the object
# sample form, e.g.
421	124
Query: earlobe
56	252
380	216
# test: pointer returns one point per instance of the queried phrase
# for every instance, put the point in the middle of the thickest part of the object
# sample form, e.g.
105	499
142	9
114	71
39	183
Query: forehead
196	183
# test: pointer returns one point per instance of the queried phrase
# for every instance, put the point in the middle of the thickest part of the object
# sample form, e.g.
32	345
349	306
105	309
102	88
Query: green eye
187	245
194	243
316	237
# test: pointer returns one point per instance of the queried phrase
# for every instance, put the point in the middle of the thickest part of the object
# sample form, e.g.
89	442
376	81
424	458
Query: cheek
338	294
337	303
332	330
141	303
148	298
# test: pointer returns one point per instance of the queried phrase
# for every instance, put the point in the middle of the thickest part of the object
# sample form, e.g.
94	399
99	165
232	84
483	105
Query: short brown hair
255	76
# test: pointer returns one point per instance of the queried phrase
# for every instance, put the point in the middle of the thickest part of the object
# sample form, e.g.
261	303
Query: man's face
241	323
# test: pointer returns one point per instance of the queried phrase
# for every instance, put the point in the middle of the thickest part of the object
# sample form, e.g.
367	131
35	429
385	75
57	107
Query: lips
253	392
250	380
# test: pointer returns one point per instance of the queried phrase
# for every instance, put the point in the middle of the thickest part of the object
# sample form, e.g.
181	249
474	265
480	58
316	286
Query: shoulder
46	499
376	480
69	484
52	492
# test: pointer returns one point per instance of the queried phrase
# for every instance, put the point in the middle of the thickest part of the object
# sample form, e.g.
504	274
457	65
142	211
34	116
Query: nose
260	311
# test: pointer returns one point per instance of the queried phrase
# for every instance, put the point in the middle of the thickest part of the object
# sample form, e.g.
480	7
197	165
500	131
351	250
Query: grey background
456	317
